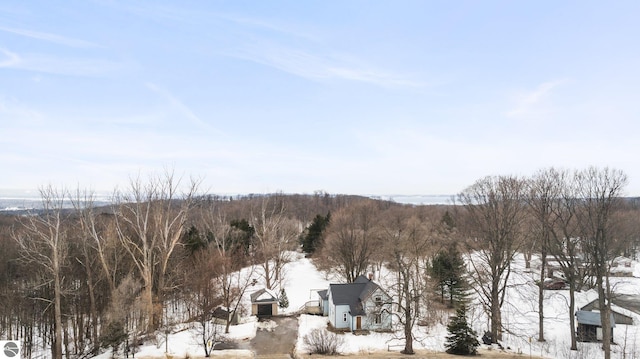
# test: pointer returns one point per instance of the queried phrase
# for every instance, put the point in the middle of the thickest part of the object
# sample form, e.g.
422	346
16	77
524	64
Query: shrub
321	341
283	300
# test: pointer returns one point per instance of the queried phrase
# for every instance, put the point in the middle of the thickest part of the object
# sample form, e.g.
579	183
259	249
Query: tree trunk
496	333
604	318
56	349
408	317
572	310
92	306
543	265
267	274
148	301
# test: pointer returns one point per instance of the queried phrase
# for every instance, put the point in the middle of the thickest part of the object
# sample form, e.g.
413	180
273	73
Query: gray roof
630	302
353	294
323	294
592	318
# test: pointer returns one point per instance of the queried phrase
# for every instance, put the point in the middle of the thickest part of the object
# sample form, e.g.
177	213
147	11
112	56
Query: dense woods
76	278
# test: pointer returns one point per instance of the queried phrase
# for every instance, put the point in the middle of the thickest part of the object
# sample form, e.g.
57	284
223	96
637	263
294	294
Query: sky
357	97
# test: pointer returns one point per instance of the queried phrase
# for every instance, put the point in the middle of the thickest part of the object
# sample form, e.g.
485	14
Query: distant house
590	326
361	305
621	267
264	303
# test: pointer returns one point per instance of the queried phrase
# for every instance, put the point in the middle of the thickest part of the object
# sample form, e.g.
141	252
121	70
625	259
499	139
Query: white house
361	305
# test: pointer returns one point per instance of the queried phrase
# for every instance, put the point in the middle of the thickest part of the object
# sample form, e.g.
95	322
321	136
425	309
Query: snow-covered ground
520	318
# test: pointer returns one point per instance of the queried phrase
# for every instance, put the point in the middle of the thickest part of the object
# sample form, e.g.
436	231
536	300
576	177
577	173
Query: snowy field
520	317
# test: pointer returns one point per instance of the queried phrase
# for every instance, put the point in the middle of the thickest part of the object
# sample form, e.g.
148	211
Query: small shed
264	303
590	326
221	315
618	313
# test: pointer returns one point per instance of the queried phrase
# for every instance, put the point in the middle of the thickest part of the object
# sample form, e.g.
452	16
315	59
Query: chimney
370	276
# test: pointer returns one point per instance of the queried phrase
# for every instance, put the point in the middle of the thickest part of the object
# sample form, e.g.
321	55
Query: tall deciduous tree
600	191
407	244
225	256
275	235
150	223
349	245
494	208
43	242
553	201
542	197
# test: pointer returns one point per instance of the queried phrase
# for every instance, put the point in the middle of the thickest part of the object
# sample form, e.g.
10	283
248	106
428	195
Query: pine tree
313	236
283	301
448	272
462	340
114	334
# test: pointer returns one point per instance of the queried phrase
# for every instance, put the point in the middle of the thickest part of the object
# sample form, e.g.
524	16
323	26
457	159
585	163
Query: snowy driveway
277	335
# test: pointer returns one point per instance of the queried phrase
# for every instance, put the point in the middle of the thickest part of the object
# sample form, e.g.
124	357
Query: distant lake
24	200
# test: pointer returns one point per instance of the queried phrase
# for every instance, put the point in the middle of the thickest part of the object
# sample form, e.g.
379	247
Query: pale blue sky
362	97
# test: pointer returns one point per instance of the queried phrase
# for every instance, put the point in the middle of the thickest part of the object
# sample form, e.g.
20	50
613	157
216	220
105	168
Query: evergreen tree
314	234
194	241
448	221
448	271
247	231
283	301
462	339
113	335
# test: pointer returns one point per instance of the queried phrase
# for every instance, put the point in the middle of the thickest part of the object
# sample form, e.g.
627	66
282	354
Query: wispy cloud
58	66
157	12
321	67
10	58
50	37
271	25
17	113
530	101
177	105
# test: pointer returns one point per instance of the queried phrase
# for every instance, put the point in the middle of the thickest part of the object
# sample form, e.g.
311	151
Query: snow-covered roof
264	295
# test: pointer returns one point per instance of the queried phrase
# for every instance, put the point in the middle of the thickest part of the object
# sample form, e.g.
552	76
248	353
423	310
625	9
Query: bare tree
349	245
92	247
553	201
407	243
600	191
150	222
543	194
94	231
43	242
227	254
275	235
495	208
203	295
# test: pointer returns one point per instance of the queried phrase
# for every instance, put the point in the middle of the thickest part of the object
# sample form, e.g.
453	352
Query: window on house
344	317
378	318
378	300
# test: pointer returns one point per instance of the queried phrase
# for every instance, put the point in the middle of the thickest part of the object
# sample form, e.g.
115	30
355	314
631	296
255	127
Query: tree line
77	278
